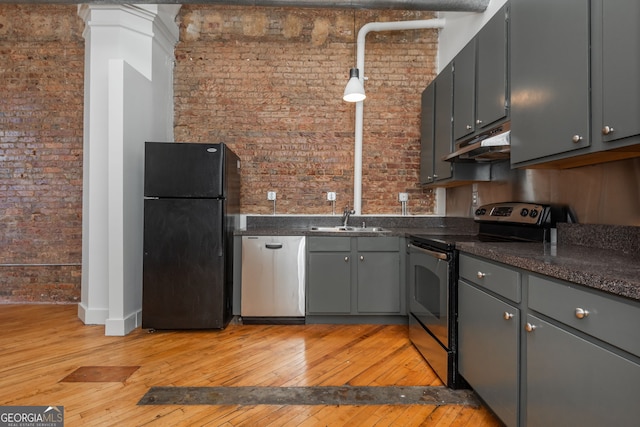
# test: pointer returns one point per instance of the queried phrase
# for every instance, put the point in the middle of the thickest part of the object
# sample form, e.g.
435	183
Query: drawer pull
529	327
481	275
346	259
361	257
507	316
581	313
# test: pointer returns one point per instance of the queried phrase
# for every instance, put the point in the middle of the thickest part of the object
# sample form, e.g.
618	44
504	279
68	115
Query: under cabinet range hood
493	144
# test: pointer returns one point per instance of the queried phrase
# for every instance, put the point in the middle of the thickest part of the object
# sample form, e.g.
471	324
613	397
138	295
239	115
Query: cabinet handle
469	127
478	122
607	130
529	327
361	257
507	316
581	313
346	259
481	275
576	138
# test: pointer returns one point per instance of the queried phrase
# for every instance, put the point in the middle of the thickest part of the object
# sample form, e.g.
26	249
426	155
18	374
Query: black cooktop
503	222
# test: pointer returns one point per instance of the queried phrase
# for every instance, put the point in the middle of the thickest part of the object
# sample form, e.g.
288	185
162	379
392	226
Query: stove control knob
533	213
524	212
478	212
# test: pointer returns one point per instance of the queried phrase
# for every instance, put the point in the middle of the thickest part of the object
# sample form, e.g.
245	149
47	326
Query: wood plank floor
41	344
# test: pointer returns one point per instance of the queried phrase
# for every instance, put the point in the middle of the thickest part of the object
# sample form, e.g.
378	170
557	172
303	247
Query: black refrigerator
191	207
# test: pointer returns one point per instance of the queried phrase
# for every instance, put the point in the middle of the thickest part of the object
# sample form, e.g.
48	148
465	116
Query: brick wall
41	108
269	82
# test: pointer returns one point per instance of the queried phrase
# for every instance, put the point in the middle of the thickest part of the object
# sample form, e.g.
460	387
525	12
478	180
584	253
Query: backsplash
607	193
463	225
624	239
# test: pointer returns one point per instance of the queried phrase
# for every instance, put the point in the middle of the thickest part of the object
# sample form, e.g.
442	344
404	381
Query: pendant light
354	91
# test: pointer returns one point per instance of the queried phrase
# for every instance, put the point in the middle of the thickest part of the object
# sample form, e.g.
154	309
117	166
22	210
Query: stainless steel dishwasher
273	279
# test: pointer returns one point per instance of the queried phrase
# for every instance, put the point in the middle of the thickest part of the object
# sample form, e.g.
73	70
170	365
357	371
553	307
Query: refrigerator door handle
273	245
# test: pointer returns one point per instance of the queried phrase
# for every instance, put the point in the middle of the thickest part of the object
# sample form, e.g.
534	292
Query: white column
128	98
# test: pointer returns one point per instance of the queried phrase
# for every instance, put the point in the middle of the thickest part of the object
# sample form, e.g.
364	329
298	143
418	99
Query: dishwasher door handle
273	245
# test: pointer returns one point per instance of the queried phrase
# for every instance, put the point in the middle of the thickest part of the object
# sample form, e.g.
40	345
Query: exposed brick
41	110
269	82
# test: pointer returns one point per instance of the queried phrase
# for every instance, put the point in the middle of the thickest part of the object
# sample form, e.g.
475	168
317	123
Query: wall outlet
331	196
403	197
271	195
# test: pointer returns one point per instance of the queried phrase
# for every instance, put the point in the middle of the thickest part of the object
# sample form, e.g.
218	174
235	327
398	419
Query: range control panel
519	213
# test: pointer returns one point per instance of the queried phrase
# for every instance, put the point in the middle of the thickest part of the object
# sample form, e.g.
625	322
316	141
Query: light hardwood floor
41	344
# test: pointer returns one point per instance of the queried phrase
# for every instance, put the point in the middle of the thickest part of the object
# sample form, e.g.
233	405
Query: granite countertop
602	257
611	271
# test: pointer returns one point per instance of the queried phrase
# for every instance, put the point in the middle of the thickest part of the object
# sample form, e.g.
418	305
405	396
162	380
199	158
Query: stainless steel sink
342	229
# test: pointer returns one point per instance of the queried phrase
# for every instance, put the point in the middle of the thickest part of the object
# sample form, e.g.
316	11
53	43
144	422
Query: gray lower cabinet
571	381
354	276
378	282
329	275
488	344
564	355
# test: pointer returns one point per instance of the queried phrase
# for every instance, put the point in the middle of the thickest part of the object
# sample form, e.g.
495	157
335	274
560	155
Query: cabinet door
329	287
621	69
488	331
550	85
491	74
570	381
443	143
379	282
427	133
464	91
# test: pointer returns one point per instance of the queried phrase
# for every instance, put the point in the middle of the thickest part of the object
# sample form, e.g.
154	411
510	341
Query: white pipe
362	35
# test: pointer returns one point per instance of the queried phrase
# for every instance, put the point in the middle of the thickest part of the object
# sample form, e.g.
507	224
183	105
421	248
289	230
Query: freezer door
185	282
187	170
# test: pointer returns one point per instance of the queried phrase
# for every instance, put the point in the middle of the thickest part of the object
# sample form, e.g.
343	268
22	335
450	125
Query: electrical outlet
271	195
403	197
331	196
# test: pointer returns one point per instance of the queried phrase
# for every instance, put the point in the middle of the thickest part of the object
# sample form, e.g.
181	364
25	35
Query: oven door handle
434	254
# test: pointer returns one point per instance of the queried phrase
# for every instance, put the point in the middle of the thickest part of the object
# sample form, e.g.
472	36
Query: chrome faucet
346	214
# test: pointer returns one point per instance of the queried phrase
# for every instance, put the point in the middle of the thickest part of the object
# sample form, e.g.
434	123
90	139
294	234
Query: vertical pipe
362	34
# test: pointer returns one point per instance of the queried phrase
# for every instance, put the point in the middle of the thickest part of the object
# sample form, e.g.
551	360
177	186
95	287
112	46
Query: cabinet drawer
499	279
387	244
605	317
329	244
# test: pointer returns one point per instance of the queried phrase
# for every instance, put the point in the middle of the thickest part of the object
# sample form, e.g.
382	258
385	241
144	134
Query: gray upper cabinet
436	128
464	95
620	73
481	90
427	117
550	87
443	143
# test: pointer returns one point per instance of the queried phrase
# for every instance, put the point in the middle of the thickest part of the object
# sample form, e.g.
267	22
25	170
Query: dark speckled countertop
602	257
611	271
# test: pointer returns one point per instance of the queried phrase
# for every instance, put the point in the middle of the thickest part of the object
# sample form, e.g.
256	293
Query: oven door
429	290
